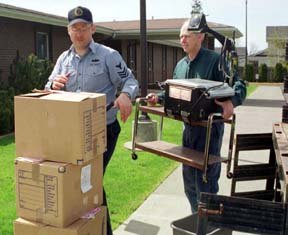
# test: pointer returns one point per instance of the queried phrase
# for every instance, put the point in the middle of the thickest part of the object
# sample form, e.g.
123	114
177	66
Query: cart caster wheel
134	156
230	175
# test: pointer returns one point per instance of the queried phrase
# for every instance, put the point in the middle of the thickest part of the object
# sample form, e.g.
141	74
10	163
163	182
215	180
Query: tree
276	48
196	7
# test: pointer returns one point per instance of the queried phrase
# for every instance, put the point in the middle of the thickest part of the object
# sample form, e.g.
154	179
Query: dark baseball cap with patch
79	14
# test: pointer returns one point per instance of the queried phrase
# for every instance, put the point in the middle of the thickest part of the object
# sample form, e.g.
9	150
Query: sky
260	13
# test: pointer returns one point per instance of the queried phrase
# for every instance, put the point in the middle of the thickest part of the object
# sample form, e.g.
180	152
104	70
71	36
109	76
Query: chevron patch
123	73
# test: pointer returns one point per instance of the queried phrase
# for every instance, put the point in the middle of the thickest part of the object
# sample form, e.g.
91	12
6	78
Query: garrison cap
79	14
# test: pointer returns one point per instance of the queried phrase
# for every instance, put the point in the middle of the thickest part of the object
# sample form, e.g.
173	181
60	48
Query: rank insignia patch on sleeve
123	72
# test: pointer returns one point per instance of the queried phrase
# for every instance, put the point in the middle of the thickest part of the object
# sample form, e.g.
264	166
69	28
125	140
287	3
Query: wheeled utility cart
181	154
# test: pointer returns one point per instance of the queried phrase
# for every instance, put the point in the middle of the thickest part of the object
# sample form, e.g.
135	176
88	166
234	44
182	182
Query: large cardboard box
57	193
90	226
63	127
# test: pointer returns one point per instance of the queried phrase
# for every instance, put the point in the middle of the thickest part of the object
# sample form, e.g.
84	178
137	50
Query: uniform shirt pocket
96	77
95	69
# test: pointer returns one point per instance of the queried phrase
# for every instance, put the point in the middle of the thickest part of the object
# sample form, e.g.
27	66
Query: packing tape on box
95	105
95	146
35	171
96	199
36	177
98	142
85	201
40	214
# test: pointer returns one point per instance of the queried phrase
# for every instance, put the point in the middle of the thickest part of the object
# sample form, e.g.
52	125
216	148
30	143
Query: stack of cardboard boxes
60	139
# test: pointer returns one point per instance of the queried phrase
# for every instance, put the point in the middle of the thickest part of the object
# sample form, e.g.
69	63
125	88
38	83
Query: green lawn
128	182
251	88
7	190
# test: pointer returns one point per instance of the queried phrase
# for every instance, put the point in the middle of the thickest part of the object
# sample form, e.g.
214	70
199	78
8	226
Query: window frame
46	53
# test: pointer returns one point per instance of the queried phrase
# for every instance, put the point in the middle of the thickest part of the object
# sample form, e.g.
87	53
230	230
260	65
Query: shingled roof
167	27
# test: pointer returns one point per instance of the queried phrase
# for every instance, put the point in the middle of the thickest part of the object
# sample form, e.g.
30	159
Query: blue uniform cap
79	14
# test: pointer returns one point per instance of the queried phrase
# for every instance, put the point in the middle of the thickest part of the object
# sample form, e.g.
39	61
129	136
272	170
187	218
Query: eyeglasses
83	29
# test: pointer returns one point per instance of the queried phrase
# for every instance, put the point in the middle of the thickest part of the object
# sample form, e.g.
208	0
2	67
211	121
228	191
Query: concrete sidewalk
168	202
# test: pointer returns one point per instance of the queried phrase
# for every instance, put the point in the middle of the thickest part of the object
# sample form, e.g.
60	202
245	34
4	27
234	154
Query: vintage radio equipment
193	99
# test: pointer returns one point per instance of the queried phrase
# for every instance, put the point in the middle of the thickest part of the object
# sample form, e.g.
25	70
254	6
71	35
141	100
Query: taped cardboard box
63	127
57	193
93	226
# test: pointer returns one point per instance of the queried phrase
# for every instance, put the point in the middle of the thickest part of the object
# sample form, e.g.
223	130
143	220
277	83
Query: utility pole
246	48
143	47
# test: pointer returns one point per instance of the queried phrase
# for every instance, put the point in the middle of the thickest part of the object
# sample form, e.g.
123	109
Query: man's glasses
83	29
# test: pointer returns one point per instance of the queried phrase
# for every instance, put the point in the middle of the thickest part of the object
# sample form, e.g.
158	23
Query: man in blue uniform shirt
91	67
202	63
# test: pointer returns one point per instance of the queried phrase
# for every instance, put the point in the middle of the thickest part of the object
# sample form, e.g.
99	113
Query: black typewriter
193	99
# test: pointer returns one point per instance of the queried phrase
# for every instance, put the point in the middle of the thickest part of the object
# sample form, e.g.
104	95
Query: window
150	63
42	45
131	51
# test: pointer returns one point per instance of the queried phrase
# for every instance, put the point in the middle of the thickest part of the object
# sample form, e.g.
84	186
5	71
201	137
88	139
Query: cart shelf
196	159
178	153
159	110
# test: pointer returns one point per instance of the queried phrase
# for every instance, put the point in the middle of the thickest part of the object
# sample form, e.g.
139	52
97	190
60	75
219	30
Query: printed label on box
86	178
38	195
88	130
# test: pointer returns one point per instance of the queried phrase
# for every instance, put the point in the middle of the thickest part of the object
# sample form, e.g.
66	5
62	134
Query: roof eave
135	33
172	33
228	31
23	14
33	16
173	43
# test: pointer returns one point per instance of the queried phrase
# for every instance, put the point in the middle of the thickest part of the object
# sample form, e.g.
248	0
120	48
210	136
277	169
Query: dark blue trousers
194	137
113	131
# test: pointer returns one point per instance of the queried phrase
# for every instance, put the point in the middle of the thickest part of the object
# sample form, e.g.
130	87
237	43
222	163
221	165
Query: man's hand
228	108
123	103
59	82
152	99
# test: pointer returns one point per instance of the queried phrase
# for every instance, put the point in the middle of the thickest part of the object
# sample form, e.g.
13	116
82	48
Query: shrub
25	75
6	111
263	73
278	72
28	73
284	71
249	75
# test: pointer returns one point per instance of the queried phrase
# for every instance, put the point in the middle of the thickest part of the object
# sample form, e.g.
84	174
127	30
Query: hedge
25	74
